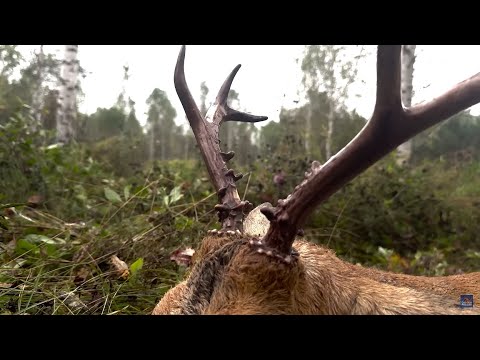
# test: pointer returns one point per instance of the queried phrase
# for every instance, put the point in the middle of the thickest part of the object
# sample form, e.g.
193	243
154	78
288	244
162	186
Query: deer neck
331	286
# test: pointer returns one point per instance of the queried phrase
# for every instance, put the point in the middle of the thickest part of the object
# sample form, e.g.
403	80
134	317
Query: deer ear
256	224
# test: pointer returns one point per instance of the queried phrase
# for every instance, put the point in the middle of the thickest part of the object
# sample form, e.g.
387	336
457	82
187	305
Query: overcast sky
270	77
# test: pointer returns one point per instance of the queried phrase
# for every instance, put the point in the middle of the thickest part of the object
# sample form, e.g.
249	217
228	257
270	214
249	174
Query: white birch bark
67	110
328	140
308	130
37	98
404	151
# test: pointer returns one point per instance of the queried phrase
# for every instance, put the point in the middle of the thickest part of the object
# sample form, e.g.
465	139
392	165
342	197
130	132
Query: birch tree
67	110
10	58
37	97
161	122
122	98
132	126
331	69
203	97
404	151
126	105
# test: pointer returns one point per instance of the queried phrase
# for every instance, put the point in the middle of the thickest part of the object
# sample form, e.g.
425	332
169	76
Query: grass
57	258
51	266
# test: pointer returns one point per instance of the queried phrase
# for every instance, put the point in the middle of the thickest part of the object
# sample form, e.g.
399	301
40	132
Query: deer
259	264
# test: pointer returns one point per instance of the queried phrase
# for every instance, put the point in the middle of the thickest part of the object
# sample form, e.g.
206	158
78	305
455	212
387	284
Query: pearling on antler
230	209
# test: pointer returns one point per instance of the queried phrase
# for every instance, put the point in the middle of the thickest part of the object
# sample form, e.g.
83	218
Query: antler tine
389	126
459	98
222	95
231	208
230	114
193	113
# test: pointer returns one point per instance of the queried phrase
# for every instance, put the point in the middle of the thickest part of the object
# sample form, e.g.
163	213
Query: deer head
256	265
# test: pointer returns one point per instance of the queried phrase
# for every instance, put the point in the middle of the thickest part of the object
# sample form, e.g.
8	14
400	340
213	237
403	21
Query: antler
389	126
231	208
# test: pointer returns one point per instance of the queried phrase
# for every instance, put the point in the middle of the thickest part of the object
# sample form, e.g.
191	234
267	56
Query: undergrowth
75	238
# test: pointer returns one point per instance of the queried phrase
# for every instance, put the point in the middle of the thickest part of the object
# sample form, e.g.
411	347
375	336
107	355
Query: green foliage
105	123
10	58
457	138
286	137
173	197
56	256
404	210
112	196
162	128
132	127
60	248
21	160
36	76
49	111
122	155
136	266
328	69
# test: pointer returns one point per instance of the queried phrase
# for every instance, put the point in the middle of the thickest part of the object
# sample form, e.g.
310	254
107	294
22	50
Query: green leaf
166	200
472	254
175	195
37	239
112	196
126	192
51	250
136	266
24	246
183	222
81	197
385	252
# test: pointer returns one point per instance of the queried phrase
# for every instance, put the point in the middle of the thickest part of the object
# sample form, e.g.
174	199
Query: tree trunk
328	140
308	130
152	143
37	98
67	110
404	151
163	144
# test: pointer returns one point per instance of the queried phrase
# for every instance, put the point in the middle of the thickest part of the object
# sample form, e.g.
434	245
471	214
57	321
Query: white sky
269	78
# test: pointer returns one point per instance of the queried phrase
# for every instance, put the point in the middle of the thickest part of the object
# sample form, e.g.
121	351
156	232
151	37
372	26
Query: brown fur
171	301
229	277
319	283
